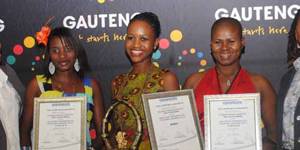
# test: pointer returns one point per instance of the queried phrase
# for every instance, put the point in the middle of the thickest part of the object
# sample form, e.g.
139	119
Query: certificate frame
187	100
72	104
235	112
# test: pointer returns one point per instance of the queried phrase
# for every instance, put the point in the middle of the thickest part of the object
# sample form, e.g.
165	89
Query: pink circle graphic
164	43
18	49
184	52
37	58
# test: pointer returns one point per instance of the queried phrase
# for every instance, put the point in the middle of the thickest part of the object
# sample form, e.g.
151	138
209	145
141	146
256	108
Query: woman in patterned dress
142	40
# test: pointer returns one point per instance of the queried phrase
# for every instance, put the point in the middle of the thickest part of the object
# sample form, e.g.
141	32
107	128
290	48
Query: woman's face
62	55
140	41
226	44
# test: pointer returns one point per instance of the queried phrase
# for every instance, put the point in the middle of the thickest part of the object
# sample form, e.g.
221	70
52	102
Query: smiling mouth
226	55
64	63
136	52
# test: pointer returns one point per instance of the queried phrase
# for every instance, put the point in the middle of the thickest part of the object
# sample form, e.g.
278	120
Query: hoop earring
76	65
51	68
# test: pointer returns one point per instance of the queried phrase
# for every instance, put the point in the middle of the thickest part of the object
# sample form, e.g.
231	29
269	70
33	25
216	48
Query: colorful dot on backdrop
200	54
203	63
18	49
192	50
101	1
11	59
184	52
29	42
155	64
176	35
156	55
37	58
179	64
180	57
164	43
201	70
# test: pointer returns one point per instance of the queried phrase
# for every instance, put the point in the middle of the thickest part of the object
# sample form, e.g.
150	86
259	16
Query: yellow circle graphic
29	42
192	50
43	56
179	63
201	70
155	64
101	1
32	69
176	35
203	62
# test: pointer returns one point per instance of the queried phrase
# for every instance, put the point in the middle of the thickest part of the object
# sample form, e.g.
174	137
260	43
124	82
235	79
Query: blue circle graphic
11	59
200	54
156	55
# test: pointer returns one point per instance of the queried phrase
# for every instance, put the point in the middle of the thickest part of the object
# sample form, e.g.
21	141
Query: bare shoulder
170	82
94	82
170	76
192	80
33	84
260	82
32	90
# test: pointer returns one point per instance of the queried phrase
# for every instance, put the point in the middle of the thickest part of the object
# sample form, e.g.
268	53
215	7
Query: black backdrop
185	40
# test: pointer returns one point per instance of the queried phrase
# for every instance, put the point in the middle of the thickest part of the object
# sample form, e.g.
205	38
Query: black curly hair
292	50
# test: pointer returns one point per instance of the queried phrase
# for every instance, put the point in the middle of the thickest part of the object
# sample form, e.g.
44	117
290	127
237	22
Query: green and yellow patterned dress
132	88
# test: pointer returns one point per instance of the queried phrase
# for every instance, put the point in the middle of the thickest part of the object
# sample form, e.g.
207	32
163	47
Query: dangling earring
51	68
76	65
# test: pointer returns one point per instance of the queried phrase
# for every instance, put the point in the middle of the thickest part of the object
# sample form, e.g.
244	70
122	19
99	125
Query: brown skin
140	44
226	46
63	58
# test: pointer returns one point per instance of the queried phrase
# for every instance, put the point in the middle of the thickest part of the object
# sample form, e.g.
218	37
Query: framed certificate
59	123
172	120
232	121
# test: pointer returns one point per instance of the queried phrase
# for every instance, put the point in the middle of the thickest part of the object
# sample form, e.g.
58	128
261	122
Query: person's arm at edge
26	120
98	113
268	105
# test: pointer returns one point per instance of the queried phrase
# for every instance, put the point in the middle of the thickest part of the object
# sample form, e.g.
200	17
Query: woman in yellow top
67	63
142	40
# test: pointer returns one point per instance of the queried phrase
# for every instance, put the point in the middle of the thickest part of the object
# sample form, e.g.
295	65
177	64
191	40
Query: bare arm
26	120
268	105
98	113
170	82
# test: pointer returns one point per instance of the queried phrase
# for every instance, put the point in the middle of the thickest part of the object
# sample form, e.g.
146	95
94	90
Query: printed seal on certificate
120	137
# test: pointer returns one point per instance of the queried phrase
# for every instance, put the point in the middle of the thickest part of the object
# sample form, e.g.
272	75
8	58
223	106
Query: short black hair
151	19
71	40
227	20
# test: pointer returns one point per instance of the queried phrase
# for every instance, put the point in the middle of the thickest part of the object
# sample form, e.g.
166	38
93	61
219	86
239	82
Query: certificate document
232	122
60	123
172	120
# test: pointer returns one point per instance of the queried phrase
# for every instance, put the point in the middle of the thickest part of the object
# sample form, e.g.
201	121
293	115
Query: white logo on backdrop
2	26
258	12
98	20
